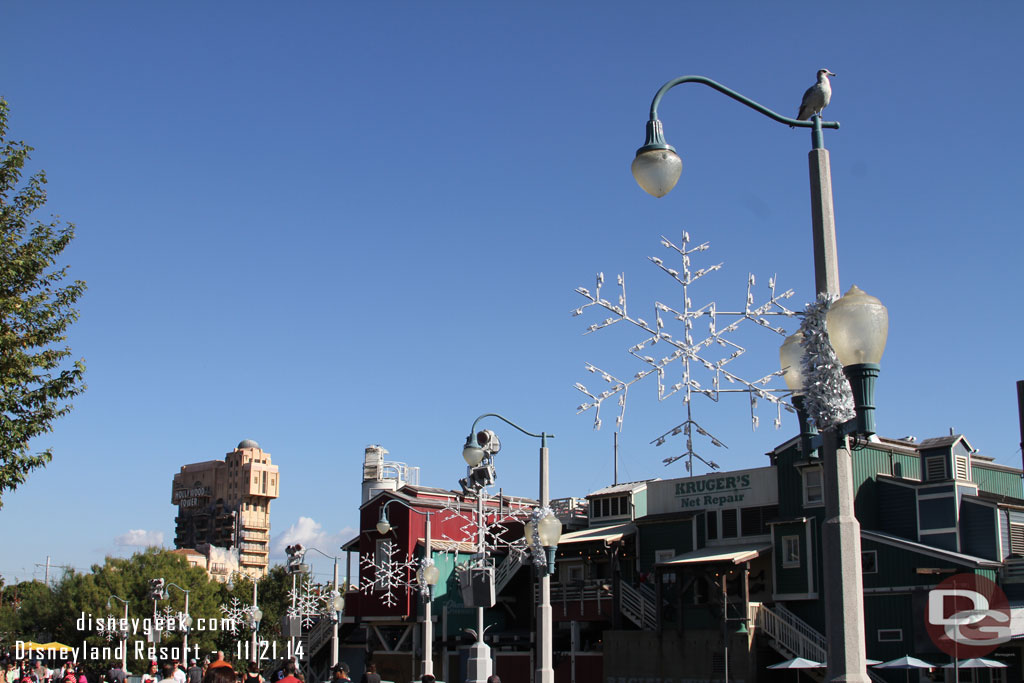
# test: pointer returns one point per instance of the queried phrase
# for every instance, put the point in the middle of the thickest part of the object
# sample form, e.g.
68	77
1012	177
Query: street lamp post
428	576
187	624
337	605
473	454
123	632
657	168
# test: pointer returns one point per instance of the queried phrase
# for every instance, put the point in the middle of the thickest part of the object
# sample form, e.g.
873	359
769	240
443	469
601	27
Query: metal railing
639	608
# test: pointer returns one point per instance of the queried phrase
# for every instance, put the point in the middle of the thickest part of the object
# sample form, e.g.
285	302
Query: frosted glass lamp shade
472	454
383	526
431	575
790	356
858	326
550	530
657	170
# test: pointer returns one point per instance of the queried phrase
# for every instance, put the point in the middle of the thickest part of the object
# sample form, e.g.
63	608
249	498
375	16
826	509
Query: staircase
639	605
791	636
506	570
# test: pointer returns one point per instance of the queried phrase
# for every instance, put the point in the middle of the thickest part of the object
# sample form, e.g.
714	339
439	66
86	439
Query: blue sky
325	225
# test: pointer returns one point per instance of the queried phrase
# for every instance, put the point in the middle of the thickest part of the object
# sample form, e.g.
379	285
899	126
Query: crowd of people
215	670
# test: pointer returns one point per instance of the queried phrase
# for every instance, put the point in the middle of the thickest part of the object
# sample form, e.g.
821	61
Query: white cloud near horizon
311	534
137	537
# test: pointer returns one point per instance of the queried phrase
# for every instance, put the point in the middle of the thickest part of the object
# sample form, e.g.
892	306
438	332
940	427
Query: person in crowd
339	673
167	673
253	675
218	662
179	672
291	672
371	675
116	674
428	678
194	674
493	678
219	674
152	674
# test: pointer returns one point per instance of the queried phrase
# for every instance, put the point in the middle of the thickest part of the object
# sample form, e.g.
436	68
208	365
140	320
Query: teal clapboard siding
997	481
791	580
640	504
889	612
978	533
676	535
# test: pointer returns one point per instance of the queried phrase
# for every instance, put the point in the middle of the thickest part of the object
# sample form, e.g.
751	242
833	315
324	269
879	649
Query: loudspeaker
477	586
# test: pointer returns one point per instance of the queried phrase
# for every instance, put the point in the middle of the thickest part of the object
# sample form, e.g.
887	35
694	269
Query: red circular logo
967	616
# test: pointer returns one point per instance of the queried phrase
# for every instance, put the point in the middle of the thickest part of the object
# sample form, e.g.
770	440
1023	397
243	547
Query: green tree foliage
33	611
36	308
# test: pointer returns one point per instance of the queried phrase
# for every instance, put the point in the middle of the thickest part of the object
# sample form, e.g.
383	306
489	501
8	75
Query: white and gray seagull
817	96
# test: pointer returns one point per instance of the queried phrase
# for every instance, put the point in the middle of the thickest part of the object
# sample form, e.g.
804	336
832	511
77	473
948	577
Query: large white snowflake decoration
309	601
497	528
389	572
172	620
237	613
713	351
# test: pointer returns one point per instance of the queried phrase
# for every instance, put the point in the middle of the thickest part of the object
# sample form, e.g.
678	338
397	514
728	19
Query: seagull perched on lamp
817	96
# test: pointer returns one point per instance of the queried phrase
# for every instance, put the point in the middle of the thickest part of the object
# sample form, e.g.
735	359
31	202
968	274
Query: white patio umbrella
797	663
976	663
907	662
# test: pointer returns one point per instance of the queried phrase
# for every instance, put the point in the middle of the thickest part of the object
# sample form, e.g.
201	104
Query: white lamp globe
858	326
550	530
657	170
790	356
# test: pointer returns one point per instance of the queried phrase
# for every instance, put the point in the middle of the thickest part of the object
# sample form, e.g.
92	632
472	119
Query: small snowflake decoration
711	351
310	601
497	528
390	573
238	613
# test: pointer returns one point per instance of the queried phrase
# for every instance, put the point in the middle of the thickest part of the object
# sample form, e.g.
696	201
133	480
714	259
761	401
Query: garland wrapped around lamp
827	395
542	533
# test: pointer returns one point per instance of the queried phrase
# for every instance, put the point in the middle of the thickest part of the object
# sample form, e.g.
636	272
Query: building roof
626	487
247	443
736	553
943	441
948	555
605	534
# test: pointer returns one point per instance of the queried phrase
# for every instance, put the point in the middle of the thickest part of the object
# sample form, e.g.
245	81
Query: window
606	507
1017	539
963	468
574	573
869	562
615	506
790	551
595	508
935	467
890	635
813	494
712	524
729	524
754	521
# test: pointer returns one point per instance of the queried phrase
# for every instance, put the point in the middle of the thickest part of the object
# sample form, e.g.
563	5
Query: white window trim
786	540
870	552
820	501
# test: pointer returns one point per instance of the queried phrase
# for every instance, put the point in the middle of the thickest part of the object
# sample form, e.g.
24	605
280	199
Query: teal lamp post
428	575
657	167
474	454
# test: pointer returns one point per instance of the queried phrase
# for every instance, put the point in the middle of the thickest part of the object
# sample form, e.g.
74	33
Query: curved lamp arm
174	585
656	138
329	557
542	436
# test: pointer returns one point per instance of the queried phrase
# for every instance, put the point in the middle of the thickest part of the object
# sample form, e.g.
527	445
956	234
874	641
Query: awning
607	534
737	554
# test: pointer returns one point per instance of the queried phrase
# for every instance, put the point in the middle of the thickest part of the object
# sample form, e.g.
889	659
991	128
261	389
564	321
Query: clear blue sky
323	225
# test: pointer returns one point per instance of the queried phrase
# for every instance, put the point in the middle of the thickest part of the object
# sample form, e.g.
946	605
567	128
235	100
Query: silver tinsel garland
537	552
827	395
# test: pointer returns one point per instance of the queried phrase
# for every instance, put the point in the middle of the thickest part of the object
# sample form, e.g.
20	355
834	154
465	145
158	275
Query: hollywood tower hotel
226	504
